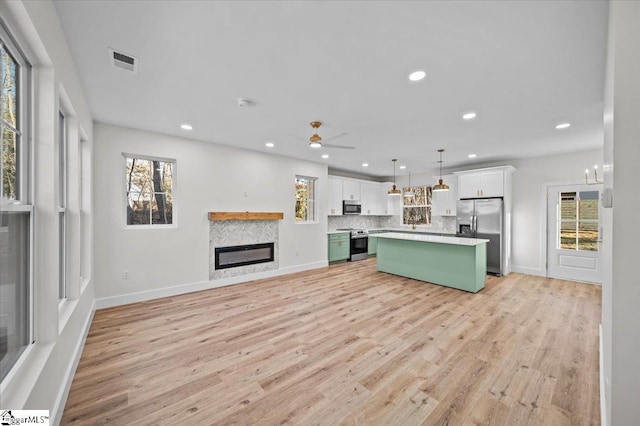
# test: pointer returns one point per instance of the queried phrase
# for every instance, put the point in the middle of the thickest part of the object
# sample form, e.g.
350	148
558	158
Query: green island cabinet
449	261
339	246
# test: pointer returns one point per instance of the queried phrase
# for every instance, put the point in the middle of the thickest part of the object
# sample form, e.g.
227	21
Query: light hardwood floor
349	345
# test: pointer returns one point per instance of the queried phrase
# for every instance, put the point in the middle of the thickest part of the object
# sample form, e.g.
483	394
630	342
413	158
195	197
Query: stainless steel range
359	247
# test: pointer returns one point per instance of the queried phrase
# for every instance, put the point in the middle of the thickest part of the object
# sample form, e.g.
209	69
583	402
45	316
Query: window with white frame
16	211
62	206
306	199
416	209
150	190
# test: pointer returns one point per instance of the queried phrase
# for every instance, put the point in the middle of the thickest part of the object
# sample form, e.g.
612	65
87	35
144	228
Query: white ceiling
523	66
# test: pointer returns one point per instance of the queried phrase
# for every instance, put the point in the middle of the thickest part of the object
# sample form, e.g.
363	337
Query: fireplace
242	255
243	243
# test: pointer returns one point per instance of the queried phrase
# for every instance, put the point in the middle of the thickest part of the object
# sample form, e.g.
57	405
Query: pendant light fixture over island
394	191
409	192
440	186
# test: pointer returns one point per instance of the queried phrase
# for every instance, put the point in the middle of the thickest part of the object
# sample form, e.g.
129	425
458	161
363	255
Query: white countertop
404	230
459	241
408	230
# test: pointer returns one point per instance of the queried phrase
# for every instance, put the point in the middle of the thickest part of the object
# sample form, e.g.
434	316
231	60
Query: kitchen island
450	261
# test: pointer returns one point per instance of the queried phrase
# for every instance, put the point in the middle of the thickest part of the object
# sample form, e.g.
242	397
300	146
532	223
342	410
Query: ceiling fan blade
339	135
297	137
328	145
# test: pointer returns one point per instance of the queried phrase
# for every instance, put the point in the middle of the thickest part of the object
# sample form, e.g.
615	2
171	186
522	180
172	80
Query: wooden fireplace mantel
216	216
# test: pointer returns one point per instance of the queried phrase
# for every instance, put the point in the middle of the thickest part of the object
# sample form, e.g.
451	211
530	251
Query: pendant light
394	190
409	193
440	186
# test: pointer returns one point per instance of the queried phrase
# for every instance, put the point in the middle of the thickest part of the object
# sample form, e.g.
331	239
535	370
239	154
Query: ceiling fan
316	141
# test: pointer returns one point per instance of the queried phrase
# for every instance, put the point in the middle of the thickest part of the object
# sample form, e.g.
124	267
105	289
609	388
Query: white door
573	233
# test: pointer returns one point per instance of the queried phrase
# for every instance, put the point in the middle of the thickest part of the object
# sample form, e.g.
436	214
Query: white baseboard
61	399
125	299
603	395
529	271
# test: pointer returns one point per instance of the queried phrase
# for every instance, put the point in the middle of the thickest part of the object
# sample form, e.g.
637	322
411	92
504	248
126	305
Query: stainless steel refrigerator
483	218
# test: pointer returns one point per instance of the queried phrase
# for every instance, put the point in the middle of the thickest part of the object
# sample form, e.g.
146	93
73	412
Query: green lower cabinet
373	246
373	242
339	247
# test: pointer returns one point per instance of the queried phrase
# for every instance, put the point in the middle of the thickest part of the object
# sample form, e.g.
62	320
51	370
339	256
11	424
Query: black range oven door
359	247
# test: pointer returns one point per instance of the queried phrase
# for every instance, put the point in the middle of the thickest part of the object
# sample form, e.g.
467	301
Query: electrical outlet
297	252
246	194
125	274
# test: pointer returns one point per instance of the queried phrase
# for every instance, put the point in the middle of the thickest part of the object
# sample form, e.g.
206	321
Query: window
15	210
149	190
62	206
578	225
306	199
416	210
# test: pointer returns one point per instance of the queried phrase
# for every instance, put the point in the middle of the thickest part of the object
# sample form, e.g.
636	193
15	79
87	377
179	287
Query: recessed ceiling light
471	156
417	75
469	116
365	164
563	125
269	144
403	167
186	126
325	155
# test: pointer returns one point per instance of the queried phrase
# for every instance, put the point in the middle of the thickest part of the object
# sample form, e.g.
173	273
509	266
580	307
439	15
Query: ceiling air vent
123	61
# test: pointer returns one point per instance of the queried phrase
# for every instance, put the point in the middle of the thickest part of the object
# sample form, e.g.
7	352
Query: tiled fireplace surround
240	232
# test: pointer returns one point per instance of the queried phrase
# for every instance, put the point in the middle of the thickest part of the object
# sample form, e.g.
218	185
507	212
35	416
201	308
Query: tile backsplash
444	224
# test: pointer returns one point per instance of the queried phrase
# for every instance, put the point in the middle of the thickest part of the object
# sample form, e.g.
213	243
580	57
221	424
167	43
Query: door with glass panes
574	233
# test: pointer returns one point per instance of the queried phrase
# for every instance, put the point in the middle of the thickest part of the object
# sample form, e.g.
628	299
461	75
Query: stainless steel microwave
351	207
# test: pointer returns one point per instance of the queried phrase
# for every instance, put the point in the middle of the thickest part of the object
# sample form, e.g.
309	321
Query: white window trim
23	201
429	207
25	126
174	185
62	166
316	219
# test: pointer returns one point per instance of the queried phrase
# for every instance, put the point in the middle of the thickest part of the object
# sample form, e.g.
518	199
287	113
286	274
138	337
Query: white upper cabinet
383	196
443	203
371	195
492	184
350	190
335	196
370	199
394	202
481	183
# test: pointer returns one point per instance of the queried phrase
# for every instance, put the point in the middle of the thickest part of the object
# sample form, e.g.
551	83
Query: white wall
529	205
210	177
621	290
42	376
